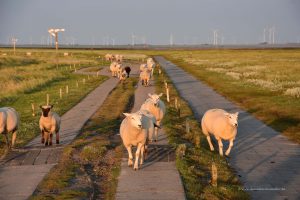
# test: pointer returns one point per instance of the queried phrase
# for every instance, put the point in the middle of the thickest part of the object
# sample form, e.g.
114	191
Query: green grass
195	166
95	154
266	83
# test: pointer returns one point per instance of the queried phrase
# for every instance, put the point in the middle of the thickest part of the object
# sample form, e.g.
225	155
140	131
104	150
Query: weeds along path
158	178
266	162
22	169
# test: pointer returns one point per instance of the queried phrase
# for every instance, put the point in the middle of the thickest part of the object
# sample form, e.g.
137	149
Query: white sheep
113	68
157	108
222	125
153	119
145	77
151	66
119	69
134	131
123	75
119	58
9	122
143	67
49	124
149	60
109	57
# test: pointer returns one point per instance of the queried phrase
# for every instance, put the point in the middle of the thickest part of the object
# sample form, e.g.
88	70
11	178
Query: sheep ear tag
126	114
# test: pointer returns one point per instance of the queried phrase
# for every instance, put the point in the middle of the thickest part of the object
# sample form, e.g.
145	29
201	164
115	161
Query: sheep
128	70
123	75
157	108
222	125
151	66
143	67
113	68
149	60
109	57
9	122
145	77
134	131
119	69
153	119
49	124
119	58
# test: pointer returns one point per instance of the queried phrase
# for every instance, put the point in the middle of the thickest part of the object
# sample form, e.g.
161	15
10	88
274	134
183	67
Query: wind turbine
133	39
171	40
265	31
54	33
14	41
215	32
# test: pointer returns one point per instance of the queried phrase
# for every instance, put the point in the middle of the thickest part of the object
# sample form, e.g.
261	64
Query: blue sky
189	21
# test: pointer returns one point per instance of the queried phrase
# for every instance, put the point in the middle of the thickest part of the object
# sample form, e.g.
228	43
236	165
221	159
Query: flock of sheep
137	129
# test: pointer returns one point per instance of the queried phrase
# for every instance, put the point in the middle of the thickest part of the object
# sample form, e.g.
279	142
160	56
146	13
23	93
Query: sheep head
155	98
232	118
46	109
135	119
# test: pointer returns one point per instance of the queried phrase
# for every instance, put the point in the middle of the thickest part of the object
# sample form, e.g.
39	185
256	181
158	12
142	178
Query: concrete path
23	169
267	163
158	178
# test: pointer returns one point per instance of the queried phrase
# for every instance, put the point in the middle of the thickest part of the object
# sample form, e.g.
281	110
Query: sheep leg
229	148
46	136
137	156
43	137
142	154
209	142
13	139
7	142
57	137
220	146
156	131
130	157
51	137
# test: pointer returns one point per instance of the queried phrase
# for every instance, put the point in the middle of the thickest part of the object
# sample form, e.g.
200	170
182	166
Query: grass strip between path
195	166
90	165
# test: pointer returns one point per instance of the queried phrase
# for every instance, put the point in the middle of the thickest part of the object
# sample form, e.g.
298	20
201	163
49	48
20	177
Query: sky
150	21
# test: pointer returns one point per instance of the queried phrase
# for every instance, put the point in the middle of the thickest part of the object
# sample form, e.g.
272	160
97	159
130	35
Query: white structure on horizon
54	32
133	39
14	41
171	40
270	34
215	32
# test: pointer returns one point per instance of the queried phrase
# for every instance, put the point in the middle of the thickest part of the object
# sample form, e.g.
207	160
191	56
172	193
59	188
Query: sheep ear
149	94
160	94
41	107
237	114
126	114
51	106
227	114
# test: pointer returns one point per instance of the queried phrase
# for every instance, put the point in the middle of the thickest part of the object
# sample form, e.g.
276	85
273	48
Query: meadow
26	81
266	83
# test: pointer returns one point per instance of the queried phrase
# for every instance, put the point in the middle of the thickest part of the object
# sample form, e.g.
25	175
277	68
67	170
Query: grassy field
266	83
195	166
27	80
90	165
